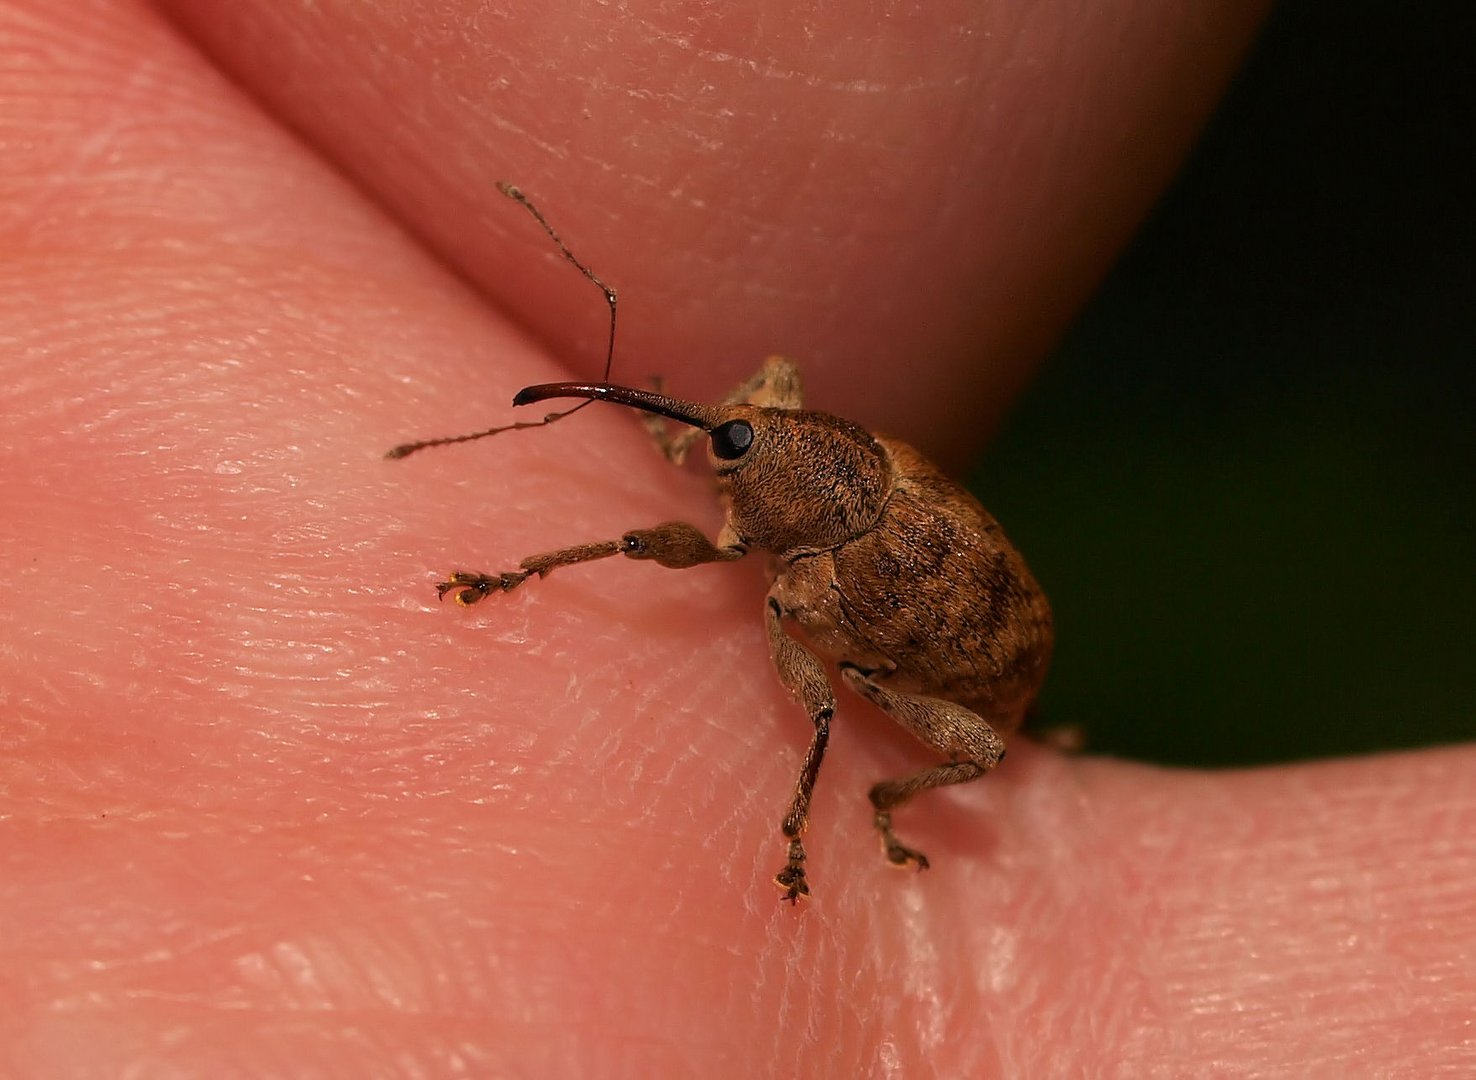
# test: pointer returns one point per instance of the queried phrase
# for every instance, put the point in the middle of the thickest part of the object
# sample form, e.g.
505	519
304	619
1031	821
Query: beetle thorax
811	480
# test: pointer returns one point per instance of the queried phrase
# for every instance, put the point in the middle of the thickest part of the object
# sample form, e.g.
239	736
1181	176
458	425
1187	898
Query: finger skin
267	809
912	203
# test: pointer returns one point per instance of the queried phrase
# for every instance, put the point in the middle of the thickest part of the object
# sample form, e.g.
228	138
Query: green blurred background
1246	478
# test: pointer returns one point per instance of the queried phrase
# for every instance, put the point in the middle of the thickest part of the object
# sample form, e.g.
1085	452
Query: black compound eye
731	441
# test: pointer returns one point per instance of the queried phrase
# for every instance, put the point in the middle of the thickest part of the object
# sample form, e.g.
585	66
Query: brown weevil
889	568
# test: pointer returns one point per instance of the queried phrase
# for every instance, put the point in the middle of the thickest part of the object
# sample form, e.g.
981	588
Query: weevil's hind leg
973	748
776	385
804	678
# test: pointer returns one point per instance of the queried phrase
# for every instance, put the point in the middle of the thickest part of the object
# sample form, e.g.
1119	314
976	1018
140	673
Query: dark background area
1246	478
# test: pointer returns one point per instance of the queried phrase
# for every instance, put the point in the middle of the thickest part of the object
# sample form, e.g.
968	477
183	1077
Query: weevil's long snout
687	412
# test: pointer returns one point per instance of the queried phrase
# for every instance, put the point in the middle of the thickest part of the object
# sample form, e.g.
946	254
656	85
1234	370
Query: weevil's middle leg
775	385
673	544
972	745
804	678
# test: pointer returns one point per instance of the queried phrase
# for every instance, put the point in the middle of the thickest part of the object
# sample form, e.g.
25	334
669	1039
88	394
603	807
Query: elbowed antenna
687	412
516	195
705	417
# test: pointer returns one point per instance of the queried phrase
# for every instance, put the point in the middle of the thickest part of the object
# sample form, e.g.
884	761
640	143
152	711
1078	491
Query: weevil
889	569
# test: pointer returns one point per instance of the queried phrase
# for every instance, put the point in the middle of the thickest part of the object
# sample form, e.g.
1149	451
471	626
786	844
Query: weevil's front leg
673	544
776	385
972	745
804	677
467	588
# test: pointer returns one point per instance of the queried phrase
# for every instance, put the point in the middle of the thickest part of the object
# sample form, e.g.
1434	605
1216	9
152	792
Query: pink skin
266	808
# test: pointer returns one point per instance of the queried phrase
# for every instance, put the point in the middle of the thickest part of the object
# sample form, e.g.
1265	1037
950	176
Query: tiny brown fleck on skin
888	567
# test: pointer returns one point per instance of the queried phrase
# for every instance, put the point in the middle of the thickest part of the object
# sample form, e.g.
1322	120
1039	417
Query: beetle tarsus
792	880
898	854
470	588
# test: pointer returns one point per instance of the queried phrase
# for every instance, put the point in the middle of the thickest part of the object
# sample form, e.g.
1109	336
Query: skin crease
267	809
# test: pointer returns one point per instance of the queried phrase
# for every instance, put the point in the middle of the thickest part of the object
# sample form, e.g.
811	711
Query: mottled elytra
886	566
